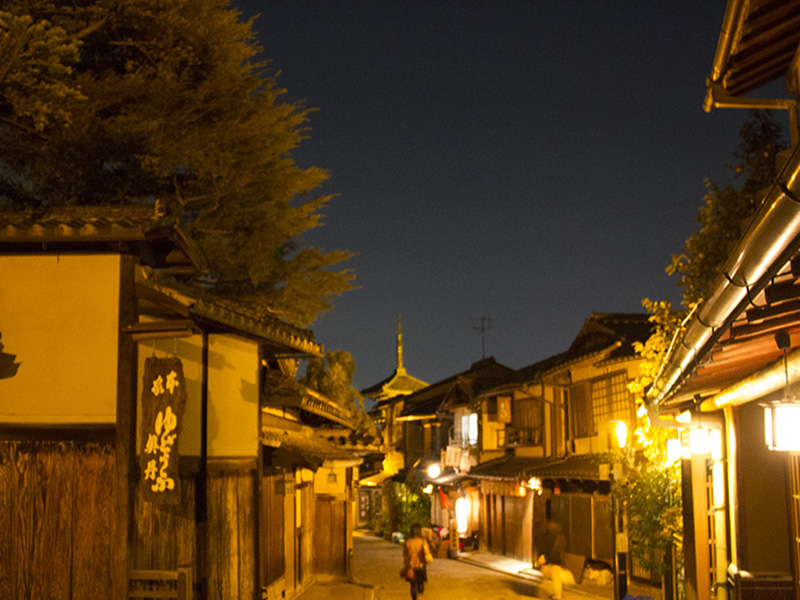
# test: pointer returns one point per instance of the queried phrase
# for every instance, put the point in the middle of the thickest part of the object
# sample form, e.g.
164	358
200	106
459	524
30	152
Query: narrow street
377	562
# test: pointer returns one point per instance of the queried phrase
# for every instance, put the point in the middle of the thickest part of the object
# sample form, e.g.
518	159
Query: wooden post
201	489
260	529
125	452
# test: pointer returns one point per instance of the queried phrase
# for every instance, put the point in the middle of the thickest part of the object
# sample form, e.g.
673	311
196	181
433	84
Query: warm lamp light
674	450
434	470
462	514
428	489
781	426
621	431
698	441
535	484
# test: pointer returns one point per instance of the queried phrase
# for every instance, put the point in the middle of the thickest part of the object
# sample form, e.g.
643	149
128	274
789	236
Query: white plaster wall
59	316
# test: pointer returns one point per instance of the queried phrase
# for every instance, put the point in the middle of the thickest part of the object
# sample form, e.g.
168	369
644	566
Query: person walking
416	556
549	563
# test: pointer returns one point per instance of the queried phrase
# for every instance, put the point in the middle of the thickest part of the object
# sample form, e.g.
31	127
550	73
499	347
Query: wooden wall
272	525
57	519
232	528
166	537
330	542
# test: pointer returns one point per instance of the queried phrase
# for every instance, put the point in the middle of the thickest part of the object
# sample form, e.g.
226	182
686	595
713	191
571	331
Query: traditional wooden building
142	447
543	427
388	395
731	382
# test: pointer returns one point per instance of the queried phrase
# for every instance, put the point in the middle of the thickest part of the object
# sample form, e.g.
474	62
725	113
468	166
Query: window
498	408
469	430
611	400
473	429
526	419
581	407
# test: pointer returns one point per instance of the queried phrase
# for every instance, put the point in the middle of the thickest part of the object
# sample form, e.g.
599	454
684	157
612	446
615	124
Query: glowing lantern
462	514
781	426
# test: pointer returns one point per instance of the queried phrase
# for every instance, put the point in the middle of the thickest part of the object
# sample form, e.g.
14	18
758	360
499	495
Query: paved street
377	563
480	576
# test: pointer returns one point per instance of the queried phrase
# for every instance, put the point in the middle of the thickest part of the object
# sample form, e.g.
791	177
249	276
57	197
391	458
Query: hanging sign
163	402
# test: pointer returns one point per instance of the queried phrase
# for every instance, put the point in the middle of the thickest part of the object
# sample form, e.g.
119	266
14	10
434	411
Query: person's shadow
8	368
523	588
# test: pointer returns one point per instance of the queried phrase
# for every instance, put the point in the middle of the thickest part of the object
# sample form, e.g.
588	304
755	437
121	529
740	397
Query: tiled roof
526	375
85	223
522	468
233	315
601	330
110	227
506	467
304	449
398	382
426	402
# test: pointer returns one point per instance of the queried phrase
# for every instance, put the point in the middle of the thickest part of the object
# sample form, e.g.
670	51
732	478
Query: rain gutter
716	94
730	23
770	241
770	379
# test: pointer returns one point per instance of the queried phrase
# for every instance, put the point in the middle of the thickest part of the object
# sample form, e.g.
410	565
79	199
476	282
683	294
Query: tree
727	210
651	490
332	376
723	217
148	102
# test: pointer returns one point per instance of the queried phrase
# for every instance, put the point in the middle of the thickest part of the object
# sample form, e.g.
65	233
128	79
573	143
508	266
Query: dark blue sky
524	160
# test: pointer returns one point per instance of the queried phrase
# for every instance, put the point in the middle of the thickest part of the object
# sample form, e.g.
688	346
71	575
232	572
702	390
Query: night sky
525	161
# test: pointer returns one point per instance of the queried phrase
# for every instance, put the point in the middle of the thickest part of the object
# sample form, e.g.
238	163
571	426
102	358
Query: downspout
770	241
716	94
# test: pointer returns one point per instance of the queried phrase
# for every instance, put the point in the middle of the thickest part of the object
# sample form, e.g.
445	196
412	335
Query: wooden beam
125	453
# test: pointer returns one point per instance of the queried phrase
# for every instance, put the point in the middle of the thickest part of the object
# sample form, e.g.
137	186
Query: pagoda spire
400	367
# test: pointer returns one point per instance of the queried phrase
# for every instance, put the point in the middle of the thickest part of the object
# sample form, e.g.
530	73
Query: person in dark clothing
550	562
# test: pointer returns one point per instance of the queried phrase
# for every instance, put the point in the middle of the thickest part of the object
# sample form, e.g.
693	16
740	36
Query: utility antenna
486	323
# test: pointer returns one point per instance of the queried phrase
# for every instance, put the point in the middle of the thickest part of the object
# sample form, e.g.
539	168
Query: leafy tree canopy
651	490
117	103
726	211
722	218
332	376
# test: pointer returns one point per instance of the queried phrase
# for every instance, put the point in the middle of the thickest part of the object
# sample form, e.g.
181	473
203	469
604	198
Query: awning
520	468
516	468
572	467
304	449
461	479
375	479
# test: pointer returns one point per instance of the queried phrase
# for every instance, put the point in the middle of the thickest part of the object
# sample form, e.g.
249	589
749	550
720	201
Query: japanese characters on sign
163	402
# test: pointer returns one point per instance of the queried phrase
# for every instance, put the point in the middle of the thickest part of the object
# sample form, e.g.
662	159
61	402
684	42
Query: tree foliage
727	210
650	491
722	218
116	103
332	376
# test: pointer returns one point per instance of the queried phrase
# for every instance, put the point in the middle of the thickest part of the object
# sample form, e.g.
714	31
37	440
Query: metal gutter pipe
769	379
773	233
730	22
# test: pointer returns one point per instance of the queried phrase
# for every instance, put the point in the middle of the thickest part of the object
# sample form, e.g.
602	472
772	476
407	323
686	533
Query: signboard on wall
452	457
504	409
163	403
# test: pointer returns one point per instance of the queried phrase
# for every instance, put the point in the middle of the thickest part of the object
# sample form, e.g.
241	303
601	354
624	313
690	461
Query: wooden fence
57	519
